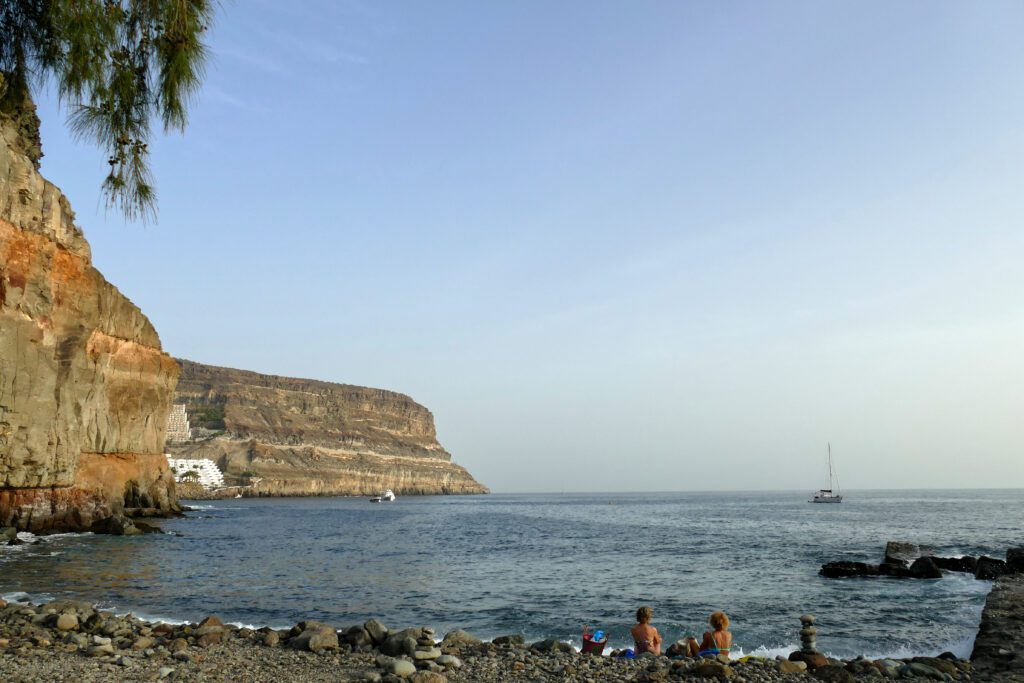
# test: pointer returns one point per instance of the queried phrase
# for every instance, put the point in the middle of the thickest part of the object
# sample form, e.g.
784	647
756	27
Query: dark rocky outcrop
989	568
85	388
1015	561
997	649
842	570
294	437
912	561
965	564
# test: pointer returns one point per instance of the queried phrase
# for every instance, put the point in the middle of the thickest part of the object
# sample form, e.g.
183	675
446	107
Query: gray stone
315	638
916	669
449	661
428	677
399	644
164	671
67	622
431	653
401	668
459	638
515	639
377	631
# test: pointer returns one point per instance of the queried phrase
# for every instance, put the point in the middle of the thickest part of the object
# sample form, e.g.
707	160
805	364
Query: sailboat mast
829	465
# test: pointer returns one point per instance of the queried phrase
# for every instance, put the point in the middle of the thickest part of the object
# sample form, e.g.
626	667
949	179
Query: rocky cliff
289	436
84	386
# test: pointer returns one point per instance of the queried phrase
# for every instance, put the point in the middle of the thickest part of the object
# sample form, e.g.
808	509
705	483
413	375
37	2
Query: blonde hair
644	614
720	620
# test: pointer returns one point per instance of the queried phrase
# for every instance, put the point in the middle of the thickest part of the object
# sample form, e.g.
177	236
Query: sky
646	246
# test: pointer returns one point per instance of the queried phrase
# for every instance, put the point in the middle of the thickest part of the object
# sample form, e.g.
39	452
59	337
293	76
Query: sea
547	565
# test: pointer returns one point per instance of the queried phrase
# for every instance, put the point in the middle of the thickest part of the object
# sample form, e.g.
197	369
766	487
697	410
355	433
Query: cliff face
306	437
84	386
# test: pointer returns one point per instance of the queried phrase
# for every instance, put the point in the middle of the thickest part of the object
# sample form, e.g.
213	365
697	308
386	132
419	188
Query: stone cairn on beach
808	635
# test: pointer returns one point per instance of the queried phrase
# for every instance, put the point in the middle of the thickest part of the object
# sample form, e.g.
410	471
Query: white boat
386	497
831	494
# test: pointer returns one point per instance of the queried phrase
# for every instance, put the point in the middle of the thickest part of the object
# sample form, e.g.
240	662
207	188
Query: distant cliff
85	388
289	436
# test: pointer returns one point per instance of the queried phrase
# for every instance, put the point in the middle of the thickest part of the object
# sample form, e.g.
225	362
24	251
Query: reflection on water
545	565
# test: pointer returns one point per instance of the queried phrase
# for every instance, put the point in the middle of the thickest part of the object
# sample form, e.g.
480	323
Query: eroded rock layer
294	437
85	388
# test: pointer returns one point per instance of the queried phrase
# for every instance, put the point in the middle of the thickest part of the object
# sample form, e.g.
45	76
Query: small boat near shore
831	494
386	497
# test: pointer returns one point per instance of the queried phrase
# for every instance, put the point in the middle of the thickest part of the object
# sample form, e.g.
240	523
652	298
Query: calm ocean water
544	565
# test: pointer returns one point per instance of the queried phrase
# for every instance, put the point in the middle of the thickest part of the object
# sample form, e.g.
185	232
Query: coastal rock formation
300	437
84	386
999	646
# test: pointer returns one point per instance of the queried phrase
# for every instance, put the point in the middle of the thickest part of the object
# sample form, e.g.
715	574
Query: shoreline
70	639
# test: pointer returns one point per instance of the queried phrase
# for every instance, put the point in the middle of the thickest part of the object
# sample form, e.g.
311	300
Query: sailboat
831	494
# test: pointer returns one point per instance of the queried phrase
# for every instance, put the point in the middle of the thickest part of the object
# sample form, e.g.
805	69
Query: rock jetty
70	640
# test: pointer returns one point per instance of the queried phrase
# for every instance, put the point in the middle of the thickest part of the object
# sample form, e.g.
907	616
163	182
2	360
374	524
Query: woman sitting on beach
645	637
717	642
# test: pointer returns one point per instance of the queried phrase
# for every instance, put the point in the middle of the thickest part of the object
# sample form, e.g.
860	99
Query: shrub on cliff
117	64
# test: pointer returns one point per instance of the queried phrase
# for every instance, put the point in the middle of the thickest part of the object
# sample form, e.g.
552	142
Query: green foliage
207	415
118	64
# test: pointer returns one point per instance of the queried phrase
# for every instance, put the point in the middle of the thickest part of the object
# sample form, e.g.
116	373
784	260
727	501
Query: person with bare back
645	637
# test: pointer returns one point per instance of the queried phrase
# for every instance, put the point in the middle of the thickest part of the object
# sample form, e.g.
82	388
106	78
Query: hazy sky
612	246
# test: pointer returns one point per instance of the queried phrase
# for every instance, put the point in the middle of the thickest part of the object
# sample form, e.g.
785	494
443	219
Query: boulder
907	552
841	570
449	661
115	525
833	673
315	637
143	643
377	631
209	625
516	639
989	568
8	534
551	645
428	677
788	667
813	660
939	664
966	563
401	643
397	667
430	653
271	638
919	670
459	638
1015	561
146	527
357	637
924	568
715	670
208	639
67	622
895	568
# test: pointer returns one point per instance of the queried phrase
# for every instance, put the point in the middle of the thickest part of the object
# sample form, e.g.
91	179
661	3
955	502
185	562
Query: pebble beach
73	641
